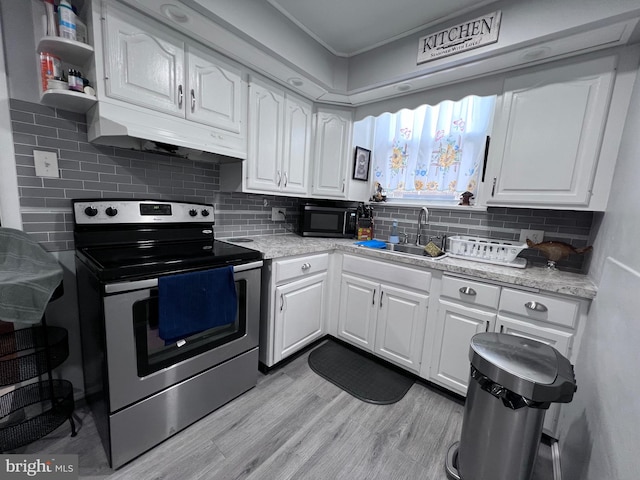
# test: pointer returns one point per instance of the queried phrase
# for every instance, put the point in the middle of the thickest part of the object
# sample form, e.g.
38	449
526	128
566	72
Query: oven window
151	352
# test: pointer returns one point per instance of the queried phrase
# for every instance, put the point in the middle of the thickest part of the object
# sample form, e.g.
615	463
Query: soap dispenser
393	238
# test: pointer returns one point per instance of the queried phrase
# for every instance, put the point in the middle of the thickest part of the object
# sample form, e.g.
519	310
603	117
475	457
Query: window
432	153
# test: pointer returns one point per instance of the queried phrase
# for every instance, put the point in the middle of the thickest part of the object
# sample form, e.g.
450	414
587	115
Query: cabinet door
358	310
455	326
558	339
216	91
297	145
144	65
331	153
548	134
401	321
299	314
266	115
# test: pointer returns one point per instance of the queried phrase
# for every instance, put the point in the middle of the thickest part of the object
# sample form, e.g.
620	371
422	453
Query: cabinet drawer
289	269
470	292
559	311
388	273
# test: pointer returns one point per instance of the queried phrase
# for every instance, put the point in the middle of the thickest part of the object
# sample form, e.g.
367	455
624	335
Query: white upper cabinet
296	160
144	65
165	85
548	133
279	140
266	124
215	92
333	133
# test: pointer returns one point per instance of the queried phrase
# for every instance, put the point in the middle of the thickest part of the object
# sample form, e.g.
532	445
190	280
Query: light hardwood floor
292	425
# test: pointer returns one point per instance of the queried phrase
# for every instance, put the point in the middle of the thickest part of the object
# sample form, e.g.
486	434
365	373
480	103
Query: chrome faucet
423	211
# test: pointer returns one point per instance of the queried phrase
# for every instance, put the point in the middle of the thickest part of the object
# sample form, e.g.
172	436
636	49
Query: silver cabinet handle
284	175
373	297
281	302
487	327
536	306
493	188
467	291
180	96
381	294
306	266
279	178
193	100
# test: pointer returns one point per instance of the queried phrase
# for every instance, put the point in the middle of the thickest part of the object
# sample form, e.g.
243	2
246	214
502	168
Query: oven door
138	361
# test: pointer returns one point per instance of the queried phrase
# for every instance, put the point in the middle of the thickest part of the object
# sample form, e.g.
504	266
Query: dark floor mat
359	375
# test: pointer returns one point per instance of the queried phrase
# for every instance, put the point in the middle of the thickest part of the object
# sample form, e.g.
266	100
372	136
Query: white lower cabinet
467	307
387	318
455	326
358	311
299	314
294	307
400	325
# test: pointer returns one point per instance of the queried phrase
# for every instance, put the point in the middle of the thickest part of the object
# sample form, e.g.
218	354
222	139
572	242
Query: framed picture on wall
362	160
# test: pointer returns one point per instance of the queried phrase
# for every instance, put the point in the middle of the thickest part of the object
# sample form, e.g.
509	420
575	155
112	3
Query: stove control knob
205	213
110	211
91	211
193	212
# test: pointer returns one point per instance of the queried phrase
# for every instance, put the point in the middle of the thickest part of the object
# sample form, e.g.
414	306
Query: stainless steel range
134	262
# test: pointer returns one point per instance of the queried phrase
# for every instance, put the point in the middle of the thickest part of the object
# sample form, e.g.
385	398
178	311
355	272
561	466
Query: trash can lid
527	367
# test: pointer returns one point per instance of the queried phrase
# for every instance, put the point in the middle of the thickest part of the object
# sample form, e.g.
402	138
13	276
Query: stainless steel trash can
513	382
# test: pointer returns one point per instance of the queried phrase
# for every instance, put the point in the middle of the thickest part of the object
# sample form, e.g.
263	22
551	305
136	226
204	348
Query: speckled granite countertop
278	246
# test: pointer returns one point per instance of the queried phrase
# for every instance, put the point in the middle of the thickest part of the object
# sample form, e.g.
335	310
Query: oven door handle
153	282
247	266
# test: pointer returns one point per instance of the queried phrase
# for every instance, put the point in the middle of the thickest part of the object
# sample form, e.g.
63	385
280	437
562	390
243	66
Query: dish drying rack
478	249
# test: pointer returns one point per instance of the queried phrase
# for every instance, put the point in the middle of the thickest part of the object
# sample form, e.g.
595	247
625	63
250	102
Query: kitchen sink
410	249
405	248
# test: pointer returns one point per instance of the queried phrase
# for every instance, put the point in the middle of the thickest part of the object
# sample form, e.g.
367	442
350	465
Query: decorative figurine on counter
379	194
466	197
556	251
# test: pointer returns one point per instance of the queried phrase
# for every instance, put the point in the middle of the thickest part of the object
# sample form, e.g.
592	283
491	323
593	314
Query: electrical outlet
46	164
535	236
278	214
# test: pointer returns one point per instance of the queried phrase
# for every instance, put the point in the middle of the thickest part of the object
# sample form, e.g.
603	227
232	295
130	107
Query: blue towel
372	243
192	302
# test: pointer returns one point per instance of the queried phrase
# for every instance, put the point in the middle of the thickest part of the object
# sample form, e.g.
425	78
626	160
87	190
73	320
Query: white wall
599	433
524	23
9	200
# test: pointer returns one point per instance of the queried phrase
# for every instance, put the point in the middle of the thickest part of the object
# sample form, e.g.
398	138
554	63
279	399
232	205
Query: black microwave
327	220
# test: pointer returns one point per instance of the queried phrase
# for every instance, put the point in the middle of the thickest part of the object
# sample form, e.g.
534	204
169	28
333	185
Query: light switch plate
535	236
46	164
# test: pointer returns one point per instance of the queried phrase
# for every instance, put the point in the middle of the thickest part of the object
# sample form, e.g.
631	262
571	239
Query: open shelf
68	100
70	51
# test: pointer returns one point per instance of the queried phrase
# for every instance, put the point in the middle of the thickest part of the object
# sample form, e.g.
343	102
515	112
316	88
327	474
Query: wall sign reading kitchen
460	38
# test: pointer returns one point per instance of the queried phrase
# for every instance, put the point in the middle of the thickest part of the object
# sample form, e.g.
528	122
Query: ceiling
349	27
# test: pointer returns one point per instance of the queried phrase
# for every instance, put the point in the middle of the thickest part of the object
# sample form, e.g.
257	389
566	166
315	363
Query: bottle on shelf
75	80
50	68
67	20
52	30
393	238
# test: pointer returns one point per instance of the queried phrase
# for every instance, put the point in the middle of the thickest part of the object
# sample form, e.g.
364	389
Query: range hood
147	131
